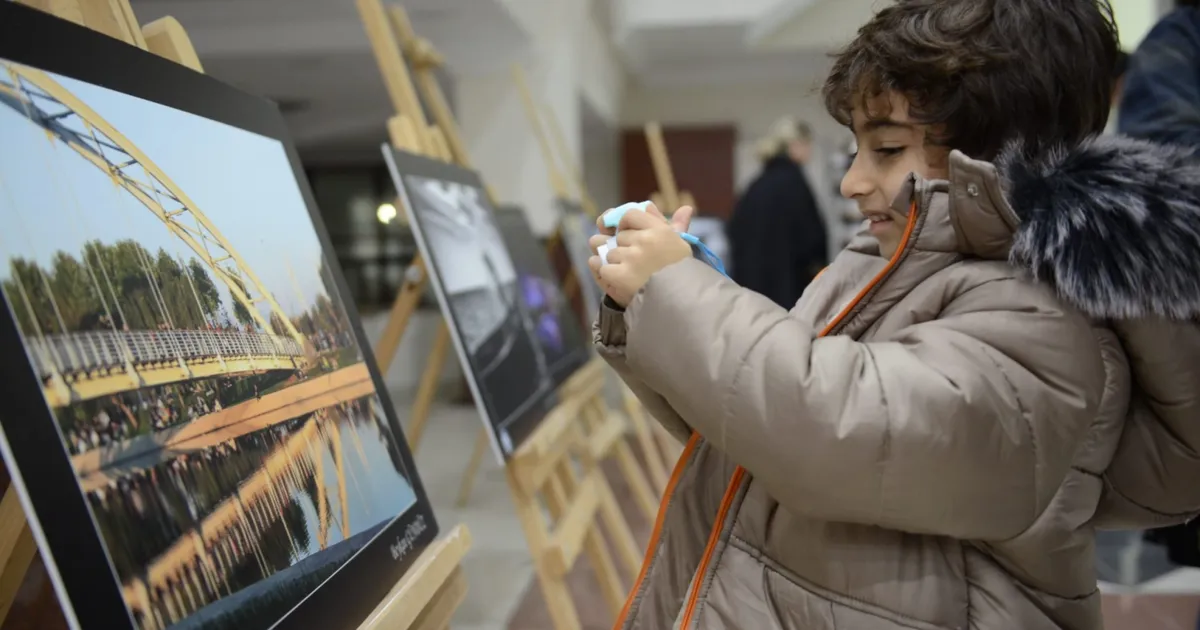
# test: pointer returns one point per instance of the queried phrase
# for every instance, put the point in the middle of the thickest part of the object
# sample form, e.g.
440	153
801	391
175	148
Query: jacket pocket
747	592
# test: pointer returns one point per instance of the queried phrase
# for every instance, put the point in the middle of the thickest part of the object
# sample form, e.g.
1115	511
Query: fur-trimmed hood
1113	225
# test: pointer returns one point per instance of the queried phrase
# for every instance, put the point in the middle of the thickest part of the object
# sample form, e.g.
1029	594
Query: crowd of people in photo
143	514
104	421
100	422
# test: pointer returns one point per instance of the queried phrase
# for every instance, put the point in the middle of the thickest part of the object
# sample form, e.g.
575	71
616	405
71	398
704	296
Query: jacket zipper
689	610
656	533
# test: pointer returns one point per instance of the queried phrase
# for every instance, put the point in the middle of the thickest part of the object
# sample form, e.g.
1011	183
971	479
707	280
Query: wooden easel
554	157
556	471
651	455
426	597
390	32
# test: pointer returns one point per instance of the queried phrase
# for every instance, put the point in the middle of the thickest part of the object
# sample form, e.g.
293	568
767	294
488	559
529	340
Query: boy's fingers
607	231
596	241
635	220
682	218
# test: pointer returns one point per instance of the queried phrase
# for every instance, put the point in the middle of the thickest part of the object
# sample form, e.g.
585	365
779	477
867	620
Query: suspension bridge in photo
107	358
76	365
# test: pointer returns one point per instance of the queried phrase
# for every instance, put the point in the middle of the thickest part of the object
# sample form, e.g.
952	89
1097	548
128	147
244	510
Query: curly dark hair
985	71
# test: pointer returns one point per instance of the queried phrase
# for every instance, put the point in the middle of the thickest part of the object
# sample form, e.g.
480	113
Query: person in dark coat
1160	99
1160	102
776	235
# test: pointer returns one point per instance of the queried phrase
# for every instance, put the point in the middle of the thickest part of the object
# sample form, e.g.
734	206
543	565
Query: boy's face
889	149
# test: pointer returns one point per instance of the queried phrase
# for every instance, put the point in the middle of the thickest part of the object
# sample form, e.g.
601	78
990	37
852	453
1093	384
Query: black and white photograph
479	289
195	356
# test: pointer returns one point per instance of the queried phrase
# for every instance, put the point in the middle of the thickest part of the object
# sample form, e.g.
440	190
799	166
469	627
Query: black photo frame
35	449
475	281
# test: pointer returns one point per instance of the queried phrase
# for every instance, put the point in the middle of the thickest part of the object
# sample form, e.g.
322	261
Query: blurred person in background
1161	102
776	235
1161	96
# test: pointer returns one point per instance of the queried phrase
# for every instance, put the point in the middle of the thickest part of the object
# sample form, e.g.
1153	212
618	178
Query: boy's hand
680	221
646	243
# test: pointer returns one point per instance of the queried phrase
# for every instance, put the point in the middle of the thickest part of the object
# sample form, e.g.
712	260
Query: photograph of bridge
174	300
480	291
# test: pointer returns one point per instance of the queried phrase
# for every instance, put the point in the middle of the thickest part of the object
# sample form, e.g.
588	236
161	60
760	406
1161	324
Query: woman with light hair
776	234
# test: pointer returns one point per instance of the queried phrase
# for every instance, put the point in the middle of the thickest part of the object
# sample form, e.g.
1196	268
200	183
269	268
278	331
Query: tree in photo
240	312
120	286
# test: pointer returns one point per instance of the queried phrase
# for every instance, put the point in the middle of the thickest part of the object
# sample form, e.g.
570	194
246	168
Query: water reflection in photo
202	526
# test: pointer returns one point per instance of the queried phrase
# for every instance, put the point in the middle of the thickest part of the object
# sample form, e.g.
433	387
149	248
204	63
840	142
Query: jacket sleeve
1151	481
1161	95
609	336
962	426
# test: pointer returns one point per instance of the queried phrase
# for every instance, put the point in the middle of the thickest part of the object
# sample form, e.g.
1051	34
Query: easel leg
650	450
554	587
630	468
594	545
637	481
618	529
402	310
468	478
427	390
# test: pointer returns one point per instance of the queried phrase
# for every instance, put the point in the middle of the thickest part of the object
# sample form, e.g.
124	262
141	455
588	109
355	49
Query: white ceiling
313	57
691	43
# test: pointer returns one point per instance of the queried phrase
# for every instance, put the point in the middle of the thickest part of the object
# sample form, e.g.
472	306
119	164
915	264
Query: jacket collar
1112	225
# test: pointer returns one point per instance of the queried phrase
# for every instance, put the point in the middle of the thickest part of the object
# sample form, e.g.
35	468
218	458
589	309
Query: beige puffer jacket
928	442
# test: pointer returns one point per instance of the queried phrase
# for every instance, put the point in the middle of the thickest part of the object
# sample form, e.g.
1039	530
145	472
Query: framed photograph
562	344
479	289
193	417
570	255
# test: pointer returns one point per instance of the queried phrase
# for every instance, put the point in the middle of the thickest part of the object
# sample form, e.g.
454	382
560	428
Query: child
1002	362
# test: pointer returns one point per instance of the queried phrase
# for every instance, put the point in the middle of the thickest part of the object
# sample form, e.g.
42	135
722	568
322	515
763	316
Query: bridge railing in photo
88	351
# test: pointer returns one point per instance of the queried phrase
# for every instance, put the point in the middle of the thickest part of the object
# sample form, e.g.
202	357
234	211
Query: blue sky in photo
52	199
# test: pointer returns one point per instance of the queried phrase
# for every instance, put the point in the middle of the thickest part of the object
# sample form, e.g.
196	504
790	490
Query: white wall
1134	19
571	65
600	75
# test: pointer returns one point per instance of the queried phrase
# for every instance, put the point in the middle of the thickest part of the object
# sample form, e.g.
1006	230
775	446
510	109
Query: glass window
370	234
